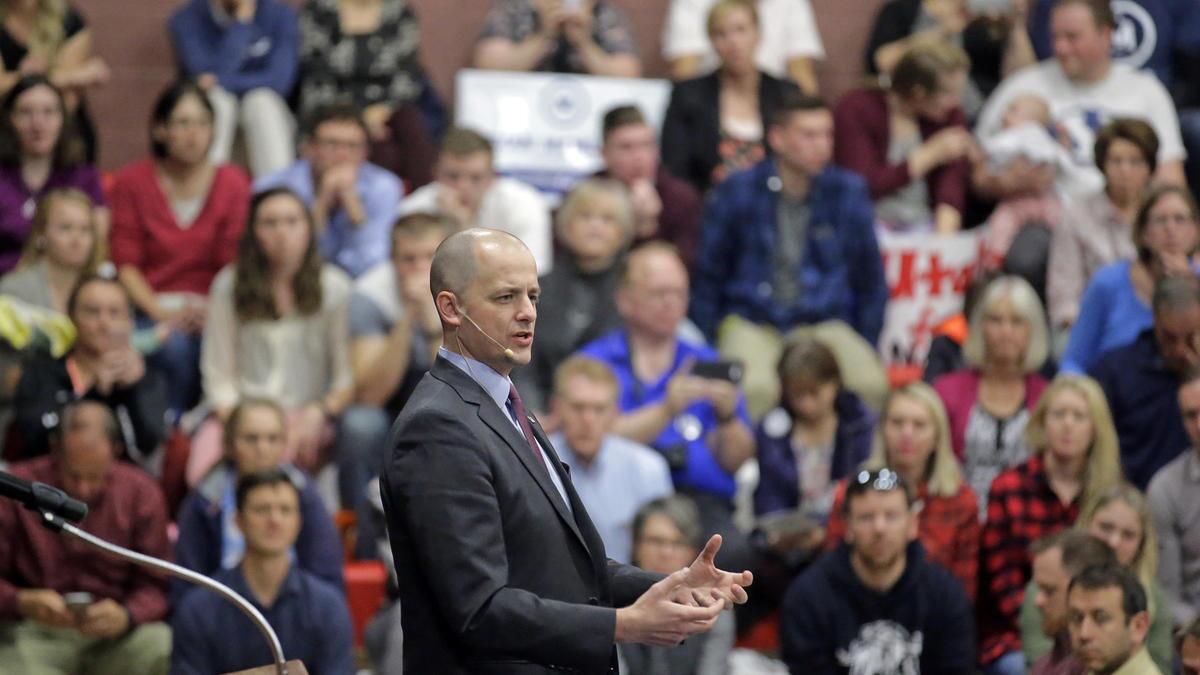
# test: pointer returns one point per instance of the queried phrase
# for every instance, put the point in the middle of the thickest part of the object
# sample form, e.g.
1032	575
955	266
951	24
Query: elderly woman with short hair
593	228
989	402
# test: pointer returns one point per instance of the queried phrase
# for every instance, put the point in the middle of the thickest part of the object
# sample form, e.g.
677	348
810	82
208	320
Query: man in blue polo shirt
309	615
699	424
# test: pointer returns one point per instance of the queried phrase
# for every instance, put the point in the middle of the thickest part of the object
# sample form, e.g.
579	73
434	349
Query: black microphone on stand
42	497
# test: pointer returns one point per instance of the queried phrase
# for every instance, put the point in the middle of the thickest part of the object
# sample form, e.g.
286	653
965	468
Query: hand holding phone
78	602
730	371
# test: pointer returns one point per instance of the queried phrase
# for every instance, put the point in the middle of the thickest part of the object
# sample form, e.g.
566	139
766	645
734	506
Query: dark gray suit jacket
495	574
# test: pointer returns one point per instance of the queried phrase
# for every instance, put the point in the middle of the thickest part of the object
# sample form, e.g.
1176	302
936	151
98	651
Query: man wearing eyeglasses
875	604
353	202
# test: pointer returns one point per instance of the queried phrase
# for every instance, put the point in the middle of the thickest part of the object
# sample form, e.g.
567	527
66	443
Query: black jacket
45	387
692	125
924	624
495	574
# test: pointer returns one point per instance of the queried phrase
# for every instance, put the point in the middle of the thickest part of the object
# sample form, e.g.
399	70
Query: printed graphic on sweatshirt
883	648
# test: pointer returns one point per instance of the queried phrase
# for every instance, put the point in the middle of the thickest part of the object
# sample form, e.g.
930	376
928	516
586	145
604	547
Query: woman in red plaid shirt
1074	458
913	439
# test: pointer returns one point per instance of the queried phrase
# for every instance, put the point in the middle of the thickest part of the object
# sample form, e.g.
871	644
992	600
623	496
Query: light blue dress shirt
497	386
354	248
621	479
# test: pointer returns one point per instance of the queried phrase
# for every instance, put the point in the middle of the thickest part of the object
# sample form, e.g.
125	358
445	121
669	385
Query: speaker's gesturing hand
704	580
656	618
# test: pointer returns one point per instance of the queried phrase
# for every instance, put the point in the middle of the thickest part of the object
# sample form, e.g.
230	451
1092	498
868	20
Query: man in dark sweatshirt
875	604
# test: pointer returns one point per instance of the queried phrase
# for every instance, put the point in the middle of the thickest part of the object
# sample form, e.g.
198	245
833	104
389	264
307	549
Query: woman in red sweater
176	220
913	439
910	141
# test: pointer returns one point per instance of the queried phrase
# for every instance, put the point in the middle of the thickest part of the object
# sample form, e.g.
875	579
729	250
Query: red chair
174	470
366	589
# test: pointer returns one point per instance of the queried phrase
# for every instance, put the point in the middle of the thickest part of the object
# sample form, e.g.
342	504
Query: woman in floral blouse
367	52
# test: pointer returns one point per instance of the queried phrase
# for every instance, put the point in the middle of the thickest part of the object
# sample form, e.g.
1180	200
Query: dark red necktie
518	408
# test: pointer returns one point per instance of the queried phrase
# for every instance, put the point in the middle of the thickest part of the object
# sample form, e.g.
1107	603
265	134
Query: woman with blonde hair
1075	458
717	124
913	439
989	401
1122	519
63	246
593	228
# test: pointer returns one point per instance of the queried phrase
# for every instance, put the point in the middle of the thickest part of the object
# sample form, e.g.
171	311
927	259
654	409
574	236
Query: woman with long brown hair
39	151
49	39
277	329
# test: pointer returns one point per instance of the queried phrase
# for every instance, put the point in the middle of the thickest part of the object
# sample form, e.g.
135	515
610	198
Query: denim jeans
362	434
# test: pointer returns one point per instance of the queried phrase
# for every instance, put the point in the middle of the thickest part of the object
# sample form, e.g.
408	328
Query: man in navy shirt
1141	380
309	615
876	604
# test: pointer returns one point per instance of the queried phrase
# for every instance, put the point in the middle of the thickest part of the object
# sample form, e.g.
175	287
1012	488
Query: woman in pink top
989	402
176	220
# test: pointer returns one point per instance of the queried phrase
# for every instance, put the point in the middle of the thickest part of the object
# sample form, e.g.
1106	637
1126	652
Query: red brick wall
131	36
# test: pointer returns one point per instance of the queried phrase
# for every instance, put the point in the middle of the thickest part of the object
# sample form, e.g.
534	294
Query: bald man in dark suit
500	569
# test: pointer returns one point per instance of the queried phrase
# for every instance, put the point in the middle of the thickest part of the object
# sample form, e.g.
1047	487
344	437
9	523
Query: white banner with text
545	127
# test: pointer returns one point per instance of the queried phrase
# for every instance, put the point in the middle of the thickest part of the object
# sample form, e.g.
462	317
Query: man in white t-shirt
467	190
788	44
1086	89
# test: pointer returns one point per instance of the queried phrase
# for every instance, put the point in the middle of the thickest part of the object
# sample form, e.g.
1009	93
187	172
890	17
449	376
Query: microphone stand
56	523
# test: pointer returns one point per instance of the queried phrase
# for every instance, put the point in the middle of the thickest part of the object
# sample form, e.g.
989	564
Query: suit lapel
503	426
585	528
500	423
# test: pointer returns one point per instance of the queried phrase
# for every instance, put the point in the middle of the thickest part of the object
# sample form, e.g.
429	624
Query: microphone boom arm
56	523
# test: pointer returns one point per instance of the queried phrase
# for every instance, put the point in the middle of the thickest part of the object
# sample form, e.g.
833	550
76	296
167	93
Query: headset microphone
508	352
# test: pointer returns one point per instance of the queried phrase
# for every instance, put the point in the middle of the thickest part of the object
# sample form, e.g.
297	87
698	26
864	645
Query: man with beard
875	604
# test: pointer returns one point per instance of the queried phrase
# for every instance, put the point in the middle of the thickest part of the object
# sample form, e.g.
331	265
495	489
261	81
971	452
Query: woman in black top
48	37
367	52
717	124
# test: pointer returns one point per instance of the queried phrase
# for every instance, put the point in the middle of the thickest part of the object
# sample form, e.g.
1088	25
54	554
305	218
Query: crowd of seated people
209	345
